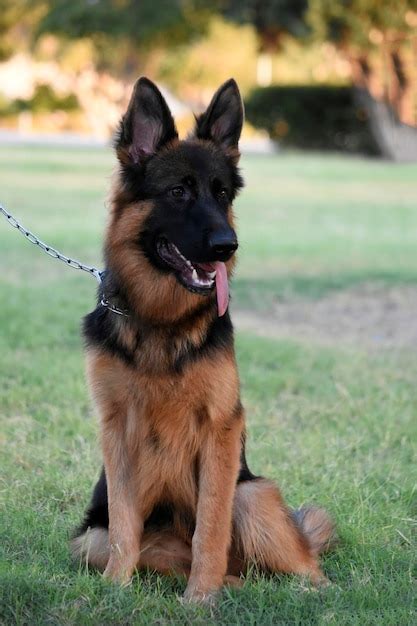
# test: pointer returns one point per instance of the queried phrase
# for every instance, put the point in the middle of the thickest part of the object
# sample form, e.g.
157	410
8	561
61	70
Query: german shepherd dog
176	494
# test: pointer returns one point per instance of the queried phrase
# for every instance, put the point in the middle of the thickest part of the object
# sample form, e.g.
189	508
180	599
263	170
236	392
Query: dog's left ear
223	120
146	126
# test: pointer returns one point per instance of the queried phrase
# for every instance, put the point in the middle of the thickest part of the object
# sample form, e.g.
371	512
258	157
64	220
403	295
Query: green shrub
44	100
8	107
318	118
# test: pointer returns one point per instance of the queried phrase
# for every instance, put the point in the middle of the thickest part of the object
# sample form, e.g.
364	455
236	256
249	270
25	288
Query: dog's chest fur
161	420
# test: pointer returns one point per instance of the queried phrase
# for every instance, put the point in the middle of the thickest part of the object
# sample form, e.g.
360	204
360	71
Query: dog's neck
157	347
111	296
117	297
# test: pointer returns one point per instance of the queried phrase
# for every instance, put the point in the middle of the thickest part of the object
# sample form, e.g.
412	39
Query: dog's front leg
125	519
218	471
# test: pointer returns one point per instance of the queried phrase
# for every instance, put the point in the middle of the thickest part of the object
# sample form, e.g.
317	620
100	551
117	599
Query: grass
332	425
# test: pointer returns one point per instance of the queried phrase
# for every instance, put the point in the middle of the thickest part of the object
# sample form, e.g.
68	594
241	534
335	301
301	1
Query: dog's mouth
196	277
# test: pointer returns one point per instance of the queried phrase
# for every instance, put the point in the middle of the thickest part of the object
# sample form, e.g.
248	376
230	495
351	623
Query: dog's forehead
201	160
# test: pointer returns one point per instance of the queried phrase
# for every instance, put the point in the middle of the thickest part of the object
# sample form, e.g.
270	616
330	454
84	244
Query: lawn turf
332	425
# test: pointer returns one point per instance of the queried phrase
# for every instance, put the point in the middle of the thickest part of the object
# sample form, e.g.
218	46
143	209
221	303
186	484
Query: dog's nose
222	245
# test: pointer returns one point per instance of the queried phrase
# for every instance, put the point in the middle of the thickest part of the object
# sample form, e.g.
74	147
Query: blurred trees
374	36
125	30
379	38
227	50
10	13
143	22
122	32
272	21
18	19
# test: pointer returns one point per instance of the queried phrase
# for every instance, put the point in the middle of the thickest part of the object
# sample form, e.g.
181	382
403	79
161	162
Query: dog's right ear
146	126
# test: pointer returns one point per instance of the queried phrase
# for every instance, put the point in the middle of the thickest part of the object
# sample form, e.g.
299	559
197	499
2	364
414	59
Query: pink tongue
222	288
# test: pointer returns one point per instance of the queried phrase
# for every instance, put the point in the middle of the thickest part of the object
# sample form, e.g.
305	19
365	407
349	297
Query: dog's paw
319	580
117	575
233	581
196	596
314	585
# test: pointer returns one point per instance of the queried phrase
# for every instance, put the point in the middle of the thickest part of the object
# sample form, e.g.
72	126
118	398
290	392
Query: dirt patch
368	316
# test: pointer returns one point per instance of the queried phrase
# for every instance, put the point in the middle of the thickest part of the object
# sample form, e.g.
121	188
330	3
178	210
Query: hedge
312	117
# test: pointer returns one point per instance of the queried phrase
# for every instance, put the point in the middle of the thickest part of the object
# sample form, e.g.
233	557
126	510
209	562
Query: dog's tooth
178	252
194	276
211	275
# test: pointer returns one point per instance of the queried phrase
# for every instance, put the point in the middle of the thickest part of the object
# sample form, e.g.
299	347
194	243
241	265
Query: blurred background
324	299
320	74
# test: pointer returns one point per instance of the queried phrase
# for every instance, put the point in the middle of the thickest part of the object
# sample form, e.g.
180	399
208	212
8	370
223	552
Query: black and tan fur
176	494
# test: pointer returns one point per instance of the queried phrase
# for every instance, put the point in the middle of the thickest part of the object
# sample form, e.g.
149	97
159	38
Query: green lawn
333	424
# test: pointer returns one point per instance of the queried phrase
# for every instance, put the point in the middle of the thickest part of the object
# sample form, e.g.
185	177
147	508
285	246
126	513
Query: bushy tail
92	548
316	524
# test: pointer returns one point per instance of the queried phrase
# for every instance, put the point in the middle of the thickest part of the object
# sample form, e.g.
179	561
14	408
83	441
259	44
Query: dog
176	494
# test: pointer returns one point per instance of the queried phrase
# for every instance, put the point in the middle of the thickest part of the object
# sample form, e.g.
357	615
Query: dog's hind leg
268	534
161	551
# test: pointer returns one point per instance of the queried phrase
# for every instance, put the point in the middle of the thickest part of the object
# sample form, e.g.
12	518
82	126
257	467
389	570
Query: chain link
52	252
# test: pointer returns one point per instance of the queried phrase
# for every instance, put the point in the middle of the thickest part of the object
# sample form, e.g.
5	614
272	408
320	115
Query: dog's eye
178	192
223	193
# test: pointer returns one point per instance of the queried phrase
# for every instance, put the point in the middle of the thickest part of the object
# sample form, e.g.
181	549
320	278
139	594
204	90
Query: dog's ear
223	120
146	126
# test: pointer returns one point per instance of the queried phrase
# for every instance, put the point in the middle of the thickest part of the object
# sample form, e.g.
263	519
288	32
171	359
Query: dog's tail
90	543
317	526
92	548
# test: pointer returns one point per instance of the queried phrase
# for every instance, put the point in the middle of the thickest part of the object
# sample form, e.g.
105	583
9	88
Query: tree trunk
402	89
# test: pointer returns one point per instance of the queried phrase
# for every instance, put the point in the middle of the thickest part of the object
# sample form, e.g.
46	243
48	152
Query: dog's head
171	239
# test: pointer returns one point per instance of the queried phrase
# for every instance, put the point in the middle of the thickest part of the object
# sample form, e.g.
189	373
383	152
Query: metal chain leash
49	249
52	252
